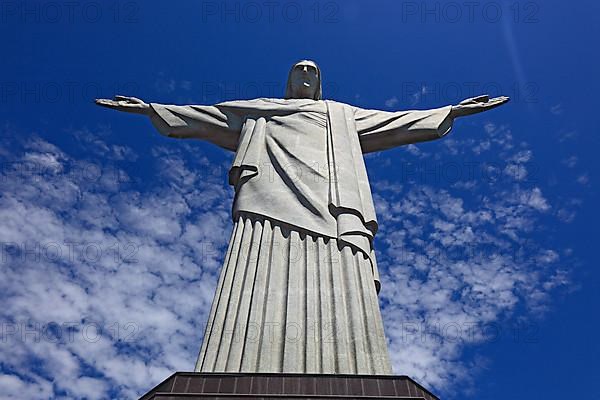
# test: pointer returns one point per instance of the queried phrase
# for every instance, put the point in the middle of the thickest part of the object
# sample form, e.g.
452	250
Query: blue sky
112	236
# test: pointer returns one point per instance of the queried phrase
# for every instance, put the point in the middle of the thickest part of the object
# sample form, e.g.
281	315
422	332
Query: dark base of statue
202	385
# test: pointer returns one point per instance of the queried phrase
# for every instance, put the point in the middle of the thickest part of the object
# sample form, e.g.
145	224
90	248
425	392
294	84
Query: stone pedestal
197	385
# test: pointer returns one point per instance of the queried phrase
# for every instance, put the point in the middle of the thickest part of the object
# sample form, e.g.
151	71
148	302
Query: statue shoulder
266	104
260	102
340	105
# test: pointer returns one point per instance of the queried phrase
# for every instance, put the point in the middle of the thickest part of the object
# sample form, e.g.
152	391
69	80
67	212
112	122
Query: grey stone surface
291	301
299	168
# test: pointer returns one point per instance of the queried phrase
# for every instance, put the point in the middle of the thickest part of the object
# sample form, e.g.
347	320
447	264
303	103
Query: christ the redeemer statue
298	288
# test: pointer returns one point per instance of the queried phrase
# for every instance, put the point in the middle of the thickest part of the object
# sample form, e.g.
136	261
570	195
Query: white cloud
104	287
570	161
583	179
392	102
556	109
458	258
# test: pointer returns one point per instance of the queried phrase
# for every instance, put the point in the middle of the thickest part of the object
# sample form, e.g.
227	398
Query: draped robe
301	184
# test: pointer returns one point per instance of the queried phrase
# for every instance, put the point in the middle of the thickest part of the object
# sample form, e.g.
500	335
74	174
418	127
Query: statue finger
493	104
136	100
500	100
484	98
476	100
106	103
128	99
126	104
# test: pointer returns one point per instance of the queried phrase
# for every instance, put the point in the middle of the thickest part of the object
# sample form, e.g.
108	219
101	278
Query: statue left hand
126	104
476	105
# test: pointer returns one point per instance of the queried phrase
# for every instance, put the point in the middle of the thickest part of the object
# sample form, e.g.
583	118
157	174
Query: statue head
304	81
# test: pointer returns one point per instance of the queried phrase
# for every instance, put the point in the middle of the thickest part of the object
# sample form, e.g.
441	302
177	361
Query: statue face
304	80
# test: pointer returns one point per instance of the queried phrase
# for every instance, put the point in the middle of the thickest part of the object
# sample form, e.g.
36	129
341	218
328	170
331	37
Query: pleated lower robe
290	301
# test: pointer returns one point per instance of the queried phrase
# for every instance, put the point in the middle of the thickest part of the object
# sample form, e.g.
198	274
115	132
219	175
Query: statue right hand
127	104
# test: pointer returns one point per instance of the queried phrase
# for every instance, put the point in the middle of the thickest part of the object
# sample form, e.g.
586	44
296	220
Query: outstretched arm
381	130
217	124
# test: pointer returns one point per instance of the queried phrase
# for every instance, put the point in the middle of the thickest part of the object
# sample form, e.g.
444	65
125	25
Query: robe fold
299	166
320	185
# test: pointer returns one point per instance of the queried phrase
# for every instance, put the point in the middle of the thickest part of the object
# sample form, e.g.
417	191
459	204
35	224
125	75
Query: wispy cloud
105	288
106	283
461	249
391	102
